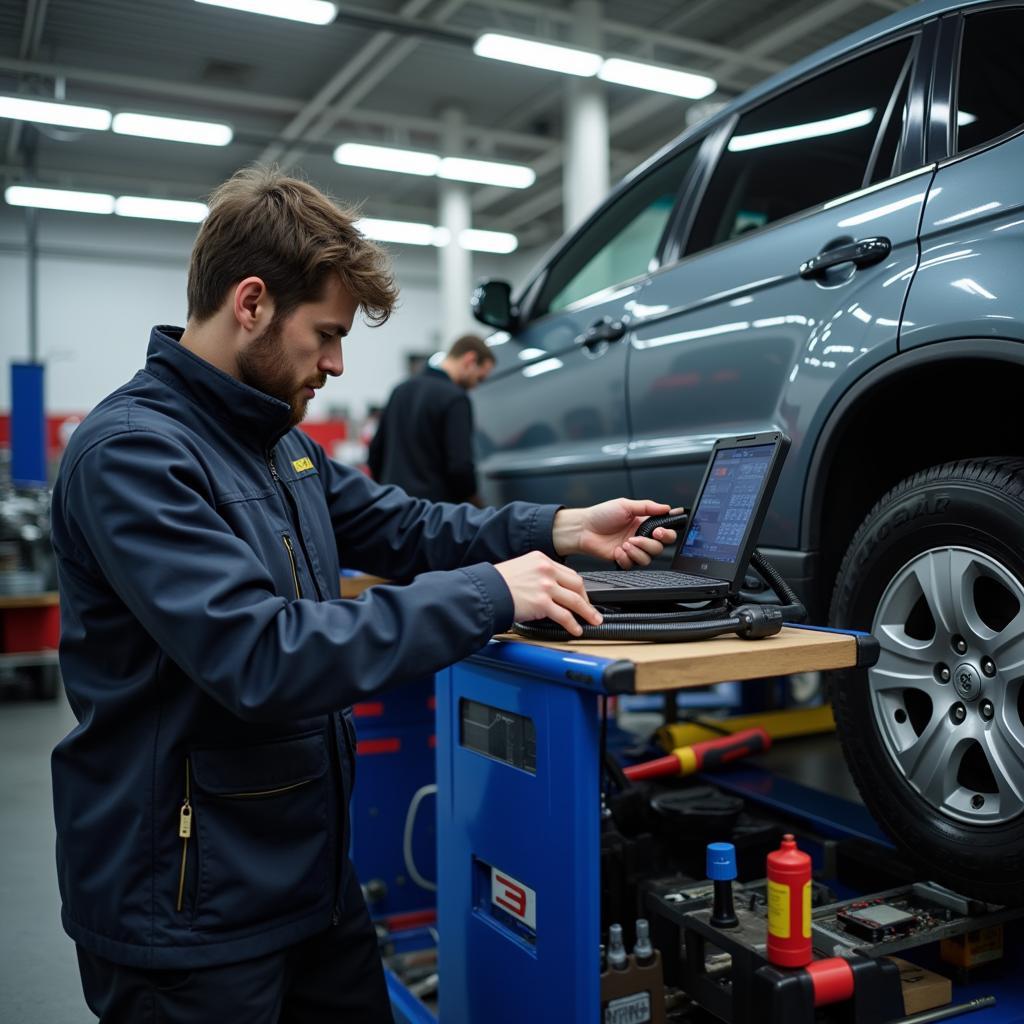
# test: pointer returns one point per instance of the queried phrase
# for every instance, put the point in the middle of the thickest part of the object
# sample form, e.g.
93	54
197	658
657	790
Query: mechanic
424	443
201	801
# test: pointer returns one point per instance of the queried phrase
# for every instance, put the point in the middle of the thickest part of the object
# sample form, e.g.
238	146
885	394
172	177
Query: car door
794	268
968	284
551	419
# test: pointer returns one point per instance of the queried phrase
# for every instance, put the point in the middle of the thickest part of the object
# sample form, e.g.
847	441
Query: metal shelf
28	659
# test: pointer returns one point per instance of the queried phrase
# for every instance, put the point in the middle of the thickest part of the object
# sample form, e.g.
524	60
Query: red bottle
789	906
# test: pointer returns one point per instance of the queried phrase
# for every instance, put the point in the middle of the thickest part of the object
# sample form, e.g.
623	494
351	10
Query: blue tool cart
518	812
519	742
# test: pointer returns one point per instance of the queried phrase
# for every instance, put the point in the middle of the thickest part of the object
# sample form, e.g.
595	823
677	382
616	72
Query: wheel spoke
883	680
1004	746
901	653
1008	648
904	662
930	763
932	573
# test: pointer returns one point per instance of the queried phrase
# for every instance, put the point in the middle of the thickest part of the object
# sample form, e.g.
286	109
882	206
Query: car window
892	130
621	243
990	92
802	148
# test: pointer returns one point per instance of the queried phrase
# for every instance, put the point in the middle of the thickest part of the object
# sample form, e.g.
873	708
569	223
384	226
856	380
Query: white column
586	166
455	264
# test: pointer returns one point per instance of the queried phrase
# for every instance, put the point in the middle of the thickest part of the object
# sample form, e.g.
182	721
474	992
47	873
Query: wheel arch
946	400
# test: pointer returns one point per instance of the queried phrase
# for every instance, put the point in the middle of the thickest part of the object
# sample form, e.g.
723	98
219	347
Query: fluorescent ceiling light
160	209
384	158
412	233
486	172
567	59
59	199
174	129
313	12
796	132
407	232
657	78
454	168
45	112
488	241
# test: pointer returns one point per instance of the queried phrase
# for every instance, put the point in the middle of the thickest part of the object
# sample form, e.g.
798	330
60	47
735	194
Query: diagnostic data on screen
728	503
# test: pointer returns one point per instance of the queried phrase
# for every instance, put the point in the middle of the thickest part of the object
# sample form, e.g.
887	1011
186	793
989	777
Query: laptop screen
728	505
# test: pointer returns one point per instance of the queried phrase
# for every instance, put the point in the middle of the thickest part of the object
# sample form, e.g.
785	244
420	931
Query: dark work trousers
335	976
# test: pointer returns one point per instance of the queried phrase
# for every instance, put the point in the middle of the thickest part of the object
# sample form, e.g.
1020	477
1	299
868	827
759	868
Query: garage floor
38	972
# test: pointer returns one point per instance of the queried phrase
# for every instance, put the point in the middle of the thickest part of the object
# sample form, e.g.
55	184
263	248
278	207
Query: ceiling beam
31	33
349	72
206	95
398	52
211	98
810	18
374	120
548	13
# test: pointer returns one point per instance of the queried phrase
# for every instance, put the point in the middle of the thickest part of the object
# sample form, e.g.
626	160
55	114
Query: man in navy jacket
201	801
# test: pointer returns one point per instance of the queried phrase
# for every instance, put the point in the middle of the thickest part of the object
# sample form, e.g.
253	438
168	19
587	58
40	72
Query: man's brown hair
471	343
288	233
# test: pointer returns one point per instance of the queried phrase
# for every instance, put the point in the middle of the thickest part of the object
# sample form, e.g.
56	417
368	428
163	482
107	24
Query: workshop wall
103	282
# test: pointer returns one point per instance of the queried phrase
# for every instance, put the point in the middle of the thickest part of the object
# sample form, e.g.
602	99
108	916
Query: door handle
861	253
604	330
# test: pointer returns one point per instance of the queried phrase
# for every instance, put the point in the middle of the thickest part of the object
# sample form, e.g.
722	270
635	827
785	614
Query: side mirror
492	304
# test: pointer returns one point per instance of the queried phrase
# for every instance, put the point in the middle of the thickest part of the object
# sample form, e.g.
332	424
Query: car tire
934	733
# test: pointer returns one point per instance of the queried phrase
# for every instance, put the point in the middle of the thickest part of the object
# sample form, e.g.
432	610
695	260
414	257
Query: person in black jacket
201	801
424	442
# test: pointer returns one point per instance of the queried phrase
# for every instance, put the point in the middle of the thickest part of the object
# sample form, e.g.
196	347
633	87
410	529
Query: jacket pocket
260	821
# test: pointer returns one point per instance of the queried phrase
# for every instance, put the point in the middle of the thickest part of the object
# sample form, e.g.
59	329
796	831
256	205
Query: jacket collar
436	371
250	413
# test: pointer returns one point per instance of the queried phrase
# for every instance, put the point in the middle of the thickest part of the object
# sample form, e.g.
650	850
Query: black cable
749	621
614	769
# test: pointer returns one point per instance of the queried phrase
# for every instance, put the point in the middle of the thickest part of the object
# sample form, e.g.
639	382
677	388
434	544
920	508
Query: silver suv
837	254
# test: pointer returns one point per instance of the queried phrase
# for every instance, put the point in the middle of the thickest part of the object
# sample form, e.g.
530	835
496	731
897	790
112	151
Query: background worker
202	800
424	442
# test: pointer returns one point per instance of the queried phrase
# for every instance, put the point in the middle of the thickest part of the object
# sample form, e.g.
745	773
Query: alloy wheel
948	688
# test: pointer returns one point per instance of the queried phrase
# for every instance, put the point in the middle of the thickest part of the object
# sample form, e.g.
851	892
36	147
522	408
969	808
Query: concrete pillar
586	167
455	215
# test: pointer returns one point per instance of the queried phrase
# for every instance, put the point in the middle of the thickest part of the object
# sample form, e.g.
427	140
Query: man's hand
541	587
607	531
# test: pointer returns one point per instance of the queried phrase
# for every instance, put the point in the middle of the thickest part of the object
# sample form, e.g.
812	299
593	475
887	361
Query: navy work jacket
424	442
201	800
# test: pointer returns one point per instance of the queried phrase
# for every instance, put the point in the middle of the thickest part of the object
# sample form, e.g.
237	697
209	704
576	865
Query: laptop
712	556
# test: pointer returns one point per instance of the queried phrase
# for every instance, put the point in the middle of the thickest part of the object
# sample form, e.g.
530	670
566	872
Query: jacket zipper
290	504
184	833
295	569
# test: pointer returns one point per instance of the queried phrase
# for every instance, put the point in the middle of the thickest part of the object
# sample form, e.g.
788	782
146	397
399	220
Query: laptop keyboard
647	579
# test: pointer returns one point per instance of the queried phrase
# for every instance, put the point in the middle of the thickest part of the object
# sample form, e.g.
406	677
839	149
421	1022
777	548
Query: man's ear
252	304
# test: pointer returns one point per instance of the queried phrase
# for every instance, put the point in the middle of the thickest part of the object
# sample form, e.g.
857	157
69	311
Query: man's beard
262	366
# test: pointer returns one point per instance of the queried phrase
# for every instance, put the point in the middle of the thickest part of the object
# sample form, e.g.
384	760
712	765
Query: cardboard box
922	989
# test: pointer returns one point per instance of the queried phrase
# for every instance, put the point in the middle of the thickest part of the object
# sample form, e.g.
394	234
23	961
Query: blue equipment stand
518	815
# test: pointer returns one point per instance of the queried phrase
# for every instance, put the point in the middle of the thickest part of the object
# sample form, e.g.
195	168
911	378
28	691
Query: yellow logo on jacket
301	465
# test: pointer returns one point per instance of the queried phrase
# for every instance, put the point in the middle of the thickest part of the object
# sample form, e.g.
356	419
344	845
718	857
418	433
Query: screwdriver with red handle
706	755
